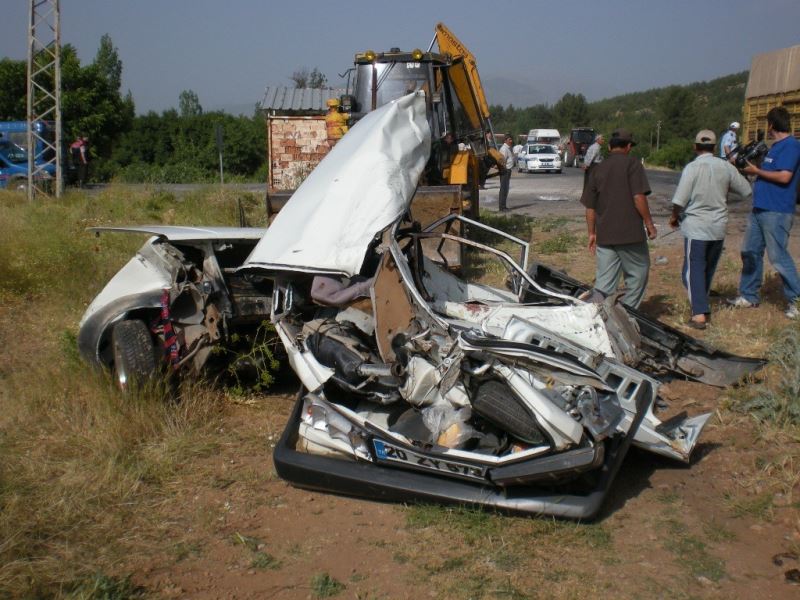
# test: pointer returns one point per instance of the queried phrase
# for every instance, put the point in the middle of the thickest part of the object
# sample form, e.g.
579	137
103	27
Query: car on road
497	384
539	158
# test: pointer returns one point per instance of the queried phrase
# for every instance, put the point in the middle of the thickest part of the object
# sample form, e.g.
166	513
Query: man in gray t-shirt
700	209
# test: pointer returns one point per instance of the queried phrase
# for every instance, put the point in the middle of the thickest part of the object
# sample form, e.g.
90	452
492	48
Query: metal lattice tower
44	97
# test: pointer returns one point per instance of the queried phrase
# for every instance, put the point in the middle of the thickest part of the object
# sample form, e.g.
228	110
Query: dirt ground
718	528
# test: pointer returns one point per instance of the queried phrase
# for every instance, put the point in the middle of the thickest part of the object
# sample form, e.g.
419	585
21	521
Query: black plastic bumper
376	482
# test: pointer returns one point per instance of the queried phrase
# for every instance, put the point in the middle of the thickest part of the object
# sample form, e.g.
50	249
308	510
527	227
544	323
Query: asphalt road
537	194
532	193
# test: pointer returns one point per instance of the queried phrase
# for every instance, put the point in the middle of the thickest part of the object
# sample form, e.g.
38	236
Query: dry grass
82	464
85	470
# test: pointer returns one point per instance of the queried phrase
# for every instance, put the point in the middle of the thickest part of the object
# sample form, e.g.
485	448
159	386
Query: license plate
394	454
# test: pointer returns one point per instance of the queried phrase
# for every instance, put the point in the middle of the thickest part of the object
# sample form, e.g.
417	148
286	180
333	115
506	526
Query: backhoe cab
455	102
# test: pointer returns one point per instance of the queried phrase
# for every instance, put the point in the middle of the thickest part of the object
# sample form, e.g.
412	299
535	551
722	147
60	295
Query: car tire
134	355
558	171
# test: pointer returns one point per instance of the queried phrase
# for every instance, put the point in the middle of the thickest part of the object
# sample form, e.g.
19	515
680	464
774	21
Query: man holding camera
700	208
770	222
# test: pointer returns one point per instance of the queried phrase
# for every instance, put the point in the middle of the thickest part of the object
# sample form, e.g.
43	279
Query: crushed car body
420	382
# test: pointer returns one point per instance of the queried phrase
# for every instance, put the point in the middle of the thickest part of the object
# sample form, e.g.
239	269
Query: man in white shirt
700	209
505	176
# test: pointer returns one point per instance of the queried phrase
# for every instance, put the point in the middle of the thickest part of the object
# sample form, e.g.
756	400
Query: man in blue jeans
774	198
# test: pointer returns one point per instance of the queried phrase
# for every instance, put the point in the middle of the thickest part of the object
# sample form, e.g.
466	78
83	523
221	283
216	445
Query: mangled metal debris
419	383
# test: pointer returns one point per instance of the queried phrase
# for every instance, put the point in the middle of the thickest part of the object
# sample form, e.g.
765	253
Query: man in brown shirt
619	222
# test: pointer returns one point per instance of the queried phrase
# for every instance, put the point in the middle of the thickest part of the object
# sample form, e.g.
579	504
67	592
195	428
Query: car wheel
558	171
134	356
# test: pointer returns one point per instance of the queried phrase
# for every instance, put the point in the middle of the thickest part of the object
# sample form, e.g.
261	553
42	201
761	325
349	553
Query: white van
544	136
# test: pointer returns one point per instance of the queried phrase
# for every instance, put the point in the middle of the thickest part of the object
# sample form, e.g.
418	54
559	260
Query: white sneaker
792	312
741	302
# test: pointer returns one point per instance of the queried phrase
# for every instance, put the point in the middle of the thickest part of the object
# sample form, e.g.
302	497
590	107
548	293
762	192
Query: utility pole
218	134
658	134
44	97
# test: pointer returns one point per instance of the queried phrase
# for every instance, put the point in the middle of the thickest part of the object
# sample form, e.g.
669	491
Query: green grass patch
690	551
547	224
560	243
759	506
325	586
104	587
264	560
473	524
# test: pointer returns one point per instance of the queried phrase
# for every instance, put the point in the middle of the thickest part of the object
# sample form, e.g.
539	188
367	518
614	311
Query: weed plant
776	400
82	463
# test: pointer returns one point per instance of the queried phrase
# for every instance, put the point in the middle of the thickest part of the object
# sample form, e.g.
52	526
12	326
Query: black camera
753	153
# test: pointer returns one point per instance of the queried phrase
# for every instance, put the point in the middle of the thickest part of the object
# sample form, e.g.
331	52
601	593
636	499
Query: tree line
179	145
169	147
663	120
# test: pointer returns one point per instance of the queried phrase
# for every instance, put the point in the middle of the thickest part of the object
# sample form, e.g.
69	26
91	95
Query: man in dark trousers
618	220
505	175
700	209
79	153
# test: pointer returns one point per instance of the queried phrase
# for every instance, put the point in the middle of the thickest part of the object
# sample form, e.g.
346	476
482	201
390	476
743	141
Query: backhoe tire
134	356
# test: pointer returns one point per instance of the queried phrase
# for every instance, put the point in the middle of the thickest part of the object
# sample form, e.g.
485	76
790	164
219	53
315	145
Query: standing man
79	153
700	208
770	222
593	156
618	220
728	142
505	176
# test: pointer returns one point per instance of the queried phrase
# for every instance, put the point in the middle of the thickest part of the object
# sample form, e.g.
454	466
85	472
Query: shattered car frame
419	383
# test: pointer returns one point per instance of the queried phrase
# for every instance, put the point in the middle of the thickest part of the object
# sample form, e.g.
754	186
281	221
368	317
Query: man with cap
618	220
593	156
700	209
728	142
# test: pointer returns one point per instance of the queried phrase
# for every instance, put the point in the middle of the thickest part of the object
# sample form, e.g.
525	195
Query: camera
753	153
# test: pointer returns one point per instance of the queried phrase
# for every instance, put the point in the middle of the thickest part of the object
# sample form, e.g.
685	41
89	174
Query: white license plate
391	453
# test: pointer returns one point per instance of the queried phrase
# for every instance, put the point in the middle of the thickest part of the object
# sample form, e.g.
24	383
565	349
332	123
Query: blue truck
14	152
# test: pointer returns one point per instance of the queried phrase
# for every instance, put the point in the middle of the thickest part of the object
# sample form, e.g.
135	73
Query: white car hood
177	233
364	184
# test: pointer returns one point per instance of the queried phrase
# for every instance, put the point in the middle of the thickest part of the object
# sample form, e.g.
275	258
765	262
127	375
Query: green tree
189	104
89	106
12	90
571	111
678	113
108	63
303	78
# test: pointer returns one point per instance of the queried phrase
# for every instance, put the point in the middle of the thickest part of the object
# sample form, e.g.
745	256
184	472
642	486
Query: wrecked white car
418	383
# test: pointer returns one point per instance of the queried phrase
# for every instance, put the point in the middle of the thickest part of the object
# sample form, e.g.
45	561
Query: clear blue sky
528	51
